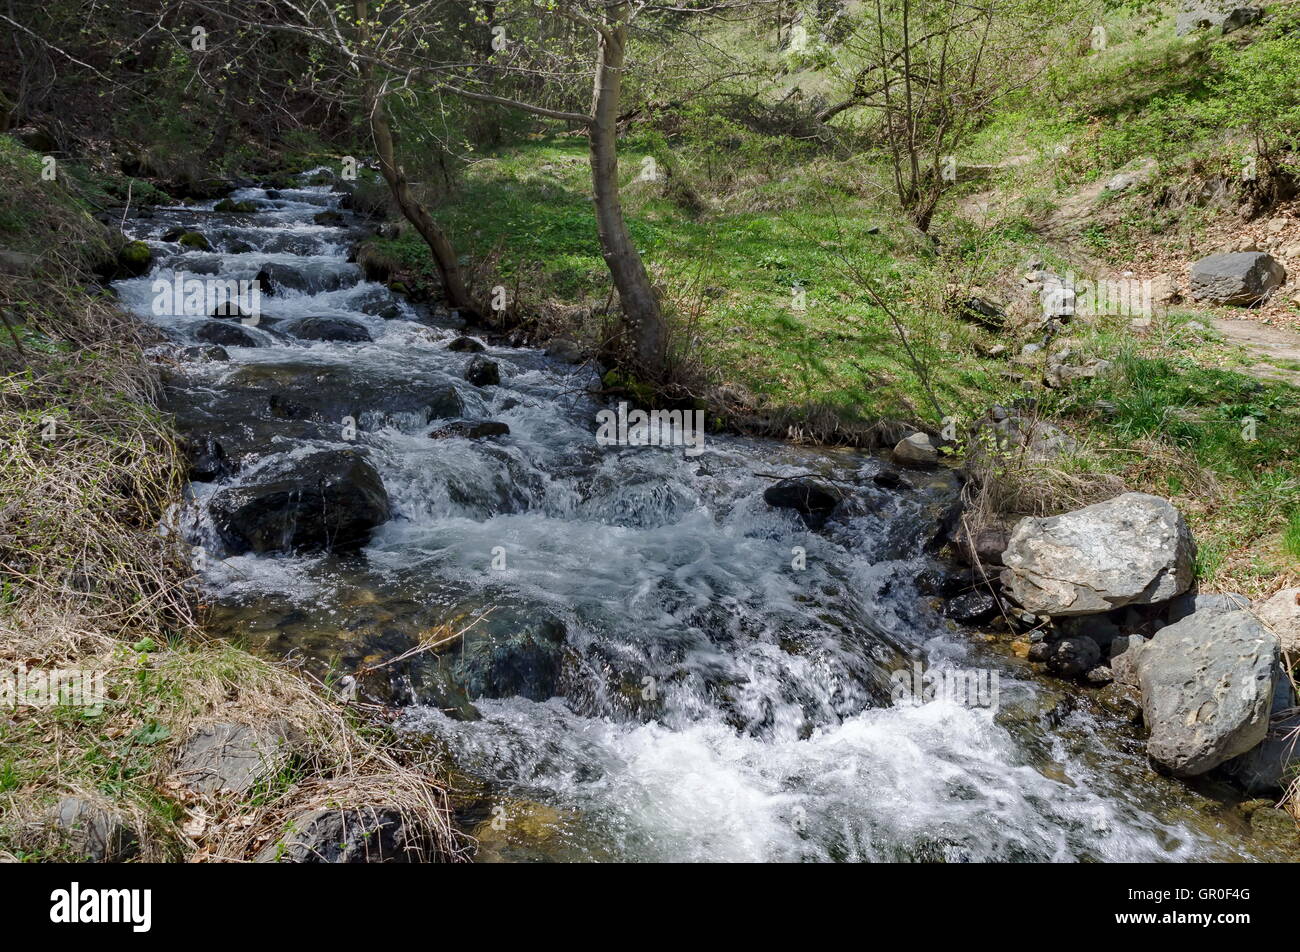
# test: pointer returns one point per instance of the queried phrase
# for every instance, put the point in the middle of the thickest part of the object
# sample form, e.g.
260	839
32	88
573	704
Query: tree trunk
642	319
444	255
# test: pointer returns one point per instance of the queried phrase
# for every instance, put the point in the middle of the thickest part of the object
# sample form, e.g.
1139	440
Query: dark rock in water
275	277
482	372
207	459
210	353
470	429
328	329
332	392
366	835
226	334
264	283
812	498
329	500
94	833
237	246
229	205
935	581
1072	657
228	310
512	654
972	608
890	479
328	217
194	240
466	345
285	408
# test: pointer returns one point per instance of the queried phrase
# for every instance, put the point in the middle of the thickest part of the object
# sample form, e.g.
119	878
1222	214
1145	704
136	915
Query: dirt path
1277	349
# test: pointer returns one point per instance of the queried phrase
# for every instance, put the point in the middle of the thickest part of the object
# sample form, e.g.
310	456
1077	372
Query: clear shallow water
711	700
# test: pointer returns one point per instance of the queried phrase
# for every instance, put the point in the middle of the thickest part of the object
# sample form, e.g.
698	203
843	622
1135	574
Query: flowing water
643	659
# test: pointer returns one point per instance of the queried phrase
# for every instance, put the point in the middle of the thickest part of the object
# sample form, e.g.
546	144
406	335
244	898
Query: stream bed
639	659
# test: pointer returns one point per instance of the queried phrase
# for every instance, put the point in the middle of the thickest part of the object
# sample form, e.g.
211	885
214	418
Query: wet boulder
204	353
328	329
226	334
309	278
1134	549
511	653
469	429
812	498
466	345
1243	277
482	372
230	206
328	217
329	500
207	459
972	608
1207	685
1072	657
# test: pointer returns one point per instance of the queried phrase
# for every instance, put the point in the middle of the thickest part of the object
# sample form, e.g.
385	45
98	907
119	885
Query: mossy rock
230	205
640	391
330	217
195	240
397	287
135	258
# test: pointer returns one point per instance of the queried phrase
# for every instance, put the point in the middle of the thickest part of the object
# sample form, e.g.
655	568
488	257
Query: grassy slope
782	213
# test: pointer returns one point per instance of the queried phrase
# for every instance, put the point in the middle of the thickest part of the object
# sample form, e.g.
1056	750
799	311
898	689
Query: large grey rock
916	450
1281	613
1207	689
93	832
1243	277
1223	15
230	757
365	835
1134	549
1275	762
